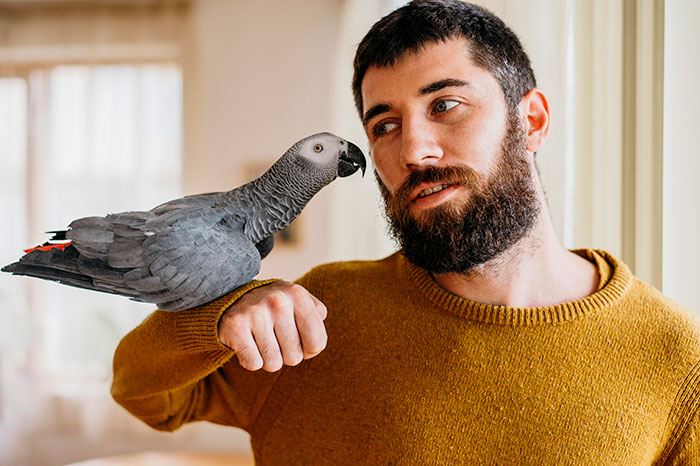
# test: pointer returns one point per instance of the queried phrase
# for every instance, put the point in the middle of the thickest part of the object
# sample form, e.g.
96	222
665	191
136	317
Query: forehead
433	63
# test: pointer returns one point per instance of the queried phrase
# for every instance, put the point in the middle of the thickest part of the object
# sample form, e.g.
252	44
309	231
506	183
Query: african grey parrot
192	250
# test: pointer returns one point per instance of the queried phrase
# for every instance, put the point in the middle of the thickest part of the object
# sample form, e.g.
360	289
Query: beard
459	235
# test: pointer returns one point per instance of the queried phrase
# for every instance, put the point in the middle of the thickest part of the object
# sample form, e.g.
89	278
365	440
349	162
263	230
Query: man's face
450	158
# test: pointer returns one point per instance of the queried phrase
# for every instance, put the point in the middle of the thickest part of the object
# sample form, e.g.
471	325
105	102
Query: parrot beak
351	160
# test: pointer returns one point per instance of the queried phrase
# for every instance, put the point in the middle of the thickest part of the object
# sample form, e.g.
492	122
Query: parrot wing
173	268
195	200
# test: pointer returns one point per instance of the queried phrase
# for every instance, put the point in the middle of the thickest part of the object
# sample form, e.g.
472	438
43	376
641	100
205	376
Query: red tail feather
47	247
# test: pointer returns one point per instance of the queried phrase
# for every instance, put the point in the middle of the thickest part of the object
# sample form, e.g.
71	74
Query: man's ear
534	109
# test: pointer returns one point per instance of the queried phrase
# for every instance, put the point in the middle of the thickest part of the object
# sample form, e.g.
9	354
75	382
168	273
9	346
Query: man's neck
536	271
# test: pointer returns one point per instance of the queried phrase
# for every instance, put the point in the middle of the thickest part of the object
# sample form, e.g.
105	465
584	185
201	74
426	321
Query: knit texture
415	375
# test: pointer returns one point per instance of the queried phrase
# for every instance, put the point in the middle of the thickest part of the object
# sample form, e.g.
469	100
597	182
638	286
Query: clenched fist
279	323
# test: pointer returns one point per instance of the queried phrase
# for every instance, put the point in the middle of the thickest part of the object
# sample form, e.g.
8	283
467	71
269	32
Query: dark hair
493	45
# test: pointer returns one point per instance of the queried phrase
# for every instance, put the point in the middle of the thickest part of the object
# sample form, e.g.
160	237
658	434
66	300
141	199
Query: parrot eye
318	148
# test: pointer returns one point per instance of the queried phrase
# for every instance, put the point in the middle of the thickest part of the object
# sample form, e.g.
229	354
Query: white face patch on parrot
323	148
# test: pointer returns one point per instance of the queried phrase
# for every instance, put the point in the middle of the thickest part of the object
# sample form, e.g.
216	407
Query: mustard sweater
414	375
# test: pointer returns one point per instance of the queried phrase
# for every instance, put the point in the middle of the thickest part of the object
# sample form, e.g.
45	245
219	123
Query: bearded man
482	341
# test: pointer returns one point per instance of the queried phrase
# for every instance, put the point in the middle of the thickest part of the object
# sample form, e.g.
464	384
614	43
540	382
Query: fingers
255	342
275	325
267	345
289	342
309	314
311	331
247	352
320	307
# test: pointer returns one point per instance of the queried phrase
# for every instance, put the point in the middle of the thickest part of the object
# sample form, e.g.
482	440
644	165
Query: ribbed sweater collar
615	284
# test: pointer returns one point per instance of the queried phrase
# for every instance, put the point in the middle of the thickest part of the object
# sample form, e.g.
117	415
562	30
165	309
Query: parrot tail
63	264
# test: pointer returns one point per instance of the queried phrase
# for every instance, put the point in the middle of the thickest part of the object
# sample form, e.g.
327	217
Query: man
483	342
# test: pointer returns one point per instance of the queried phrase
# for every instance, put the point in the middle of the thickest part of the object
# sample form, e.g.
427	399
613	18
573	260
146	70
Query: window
79	141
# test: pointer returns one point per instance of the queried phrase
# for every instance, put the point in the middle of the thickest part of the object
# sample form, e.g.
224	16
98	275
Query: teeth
434	189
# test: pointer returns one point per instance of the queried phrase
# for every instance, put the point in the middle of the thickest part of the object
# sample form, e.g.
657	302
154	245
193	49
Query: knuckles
297	291
236	323
276	300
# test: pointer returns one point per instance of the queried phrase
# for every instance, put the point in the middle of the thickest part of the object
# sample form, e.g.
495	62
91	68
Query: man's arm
174	368
682	437
684	450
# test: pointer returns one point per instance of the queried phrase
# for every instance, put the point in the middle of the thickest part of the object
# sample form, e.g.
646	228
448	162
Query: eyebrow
443	83
429	89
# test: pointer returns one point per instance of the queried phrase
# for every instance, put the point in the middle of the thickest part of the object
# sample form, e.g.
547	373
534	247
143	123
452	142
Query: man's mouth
432	190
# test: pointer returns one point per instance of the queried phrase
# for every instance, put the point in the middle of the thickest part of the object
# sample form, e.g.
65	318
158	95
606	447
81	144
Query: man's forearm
161	364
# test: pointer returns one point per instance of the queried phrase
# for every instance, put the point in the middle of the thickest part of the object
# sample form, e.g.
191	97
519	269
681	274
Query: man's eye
444	105
383	128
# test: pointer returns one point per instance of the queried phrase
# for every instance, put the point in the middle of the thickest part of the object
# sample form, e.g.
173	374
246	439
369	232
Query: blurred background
112	105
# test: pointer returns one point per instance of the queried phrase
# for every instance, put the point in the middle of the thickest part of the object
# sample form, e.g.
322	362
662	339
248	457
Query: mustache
461	174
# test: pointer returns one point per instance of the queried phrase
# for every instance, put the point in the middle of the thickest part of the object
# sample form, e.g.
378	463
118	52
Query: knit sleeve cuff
197	329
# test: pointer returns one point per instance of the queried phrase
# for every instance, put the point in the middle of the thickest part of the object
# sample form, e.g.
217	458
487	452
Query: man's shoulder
642	306
673	326
662	307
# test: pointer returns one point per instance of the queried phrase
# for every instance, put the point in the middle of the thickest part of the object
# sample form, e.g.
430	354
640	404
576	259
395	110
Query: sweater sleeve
683	445
173	369
687	451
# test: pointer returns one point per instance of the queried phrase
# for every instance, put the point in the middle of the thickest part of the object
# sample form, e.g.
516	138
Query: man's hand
274	324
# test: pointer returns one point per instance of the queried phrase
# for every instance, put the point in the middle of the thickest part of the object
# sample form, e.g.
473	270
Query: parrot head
328	150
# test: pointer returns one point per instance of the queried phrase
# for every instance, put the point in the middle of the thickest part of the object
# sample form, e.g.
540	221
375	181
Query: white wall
681	248
259	76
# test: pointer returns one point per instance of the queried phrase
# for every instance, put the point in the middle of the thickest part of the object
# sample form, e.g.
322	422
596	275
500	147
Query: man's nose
419	144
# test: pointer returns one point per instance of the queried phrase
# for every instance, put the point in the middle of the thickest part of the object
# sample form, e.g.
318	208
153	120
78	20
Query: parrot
192	250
